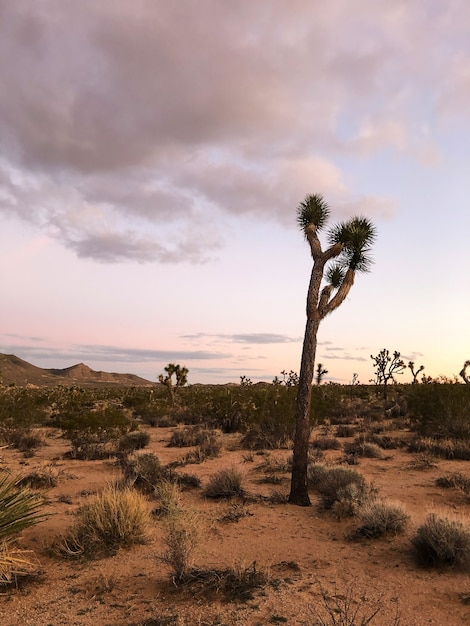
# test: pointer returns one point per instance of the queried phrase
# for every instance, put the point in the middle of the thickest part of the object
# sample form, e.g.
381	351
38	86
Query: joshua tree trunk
299	488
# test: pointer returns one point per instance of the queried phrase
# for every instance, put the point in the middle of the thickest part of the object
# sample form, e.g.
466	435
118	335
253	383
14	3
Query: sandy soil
306	550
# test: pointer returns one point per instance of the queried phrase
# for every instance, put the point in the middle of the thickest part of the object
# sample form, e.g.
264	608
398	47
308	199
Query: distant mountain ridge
14	370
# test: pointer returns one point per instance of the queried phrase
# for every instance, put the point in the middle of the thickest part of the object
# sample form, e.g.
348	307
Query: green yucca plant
19	508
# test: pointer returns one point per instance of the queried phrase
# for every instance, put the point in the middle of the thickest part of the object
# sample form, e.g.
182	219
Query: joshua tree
181	374
348	252
386	368
411	366
464	374
321	371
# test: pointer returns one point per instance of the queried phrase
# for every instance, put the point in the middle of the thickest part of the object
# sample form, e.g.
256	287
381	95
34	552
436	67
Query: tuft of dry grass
183	532
16	565
113	519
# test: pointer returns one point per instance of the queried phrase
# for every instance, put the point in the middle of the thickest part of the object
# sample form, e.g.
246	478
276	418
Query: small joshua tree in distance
411	367
348	252
463	373
386	368
181	375
321	372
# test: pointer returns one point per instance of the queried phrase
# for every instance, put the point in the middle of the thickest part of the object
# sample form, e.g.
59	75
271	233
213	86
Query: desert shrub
135	440
23	406
183	530
384	441
225	484
326	443
440	410
23	438
380	517
346	430
192	436
423	462
94	434
339	487
39	479
143	471
443	540
456	479
115	518
363	448
444	448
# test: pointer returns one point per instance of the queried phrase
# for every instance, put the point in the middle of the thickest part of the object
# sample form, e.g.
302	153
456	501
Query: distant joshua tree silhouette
464	374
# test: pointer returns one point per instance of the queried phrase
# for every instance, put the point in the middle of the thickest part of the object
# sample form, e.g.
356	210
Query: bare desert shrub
192	436
235	583
225	484
183	531
443	540
351	498
380	517
351	607
113	519
235	512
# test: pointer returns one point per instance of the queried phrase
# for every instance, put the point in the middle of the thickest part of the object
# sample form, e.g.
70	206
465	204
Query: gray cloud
127	125
112	354
249	338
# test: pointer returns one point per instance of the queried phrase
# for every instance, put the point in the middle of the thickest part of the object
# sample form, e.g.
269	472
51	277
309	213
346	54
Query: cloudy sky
153	154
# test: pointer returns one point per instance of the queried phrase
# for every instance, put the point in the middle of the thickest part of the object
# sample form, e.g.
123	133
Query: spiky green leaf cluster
334	275
19	508
357	236
313	211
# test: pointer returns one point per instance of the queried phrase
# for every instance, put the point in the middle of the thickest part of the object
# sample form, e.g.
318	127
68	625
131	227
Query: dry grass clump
380	517
183	531
16	565
423	462
115	518
346	430
169	495
192	436
225	484
443	539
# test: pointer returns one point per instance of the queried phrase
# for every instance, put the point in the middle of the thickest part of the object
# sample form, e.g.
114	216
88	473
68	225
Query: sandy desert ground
307	550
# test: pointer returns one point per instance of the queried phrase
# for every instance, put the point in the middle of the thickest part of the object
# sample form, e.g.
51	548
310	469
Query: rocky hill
14	370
